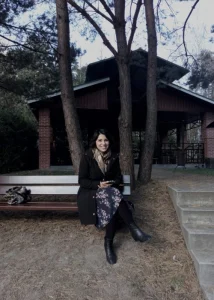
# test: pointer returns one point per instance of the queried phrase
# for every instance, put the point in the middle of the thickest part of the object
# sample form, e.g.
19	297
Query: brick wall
44	138
208	135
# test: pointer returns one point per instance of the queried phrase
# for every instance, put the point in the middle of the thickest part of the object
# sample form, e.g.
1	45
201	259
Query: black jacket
90	176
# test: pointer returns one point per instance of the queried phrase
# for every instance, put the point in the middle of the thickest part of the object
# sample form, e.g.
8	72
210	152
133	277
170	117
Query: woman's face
102	143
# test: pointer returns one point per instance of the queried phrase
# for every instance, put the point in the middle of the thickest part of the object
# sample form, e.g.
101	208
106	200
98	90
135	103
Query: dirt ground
51	256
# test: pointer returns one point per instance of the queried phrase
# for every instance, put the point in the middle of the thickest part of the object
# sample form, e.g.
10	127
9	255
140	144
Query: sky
197	33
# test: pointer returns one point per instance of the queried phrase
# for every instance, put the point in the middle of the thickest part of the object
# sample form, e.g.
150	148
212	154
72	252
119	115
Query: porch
170	154
98	106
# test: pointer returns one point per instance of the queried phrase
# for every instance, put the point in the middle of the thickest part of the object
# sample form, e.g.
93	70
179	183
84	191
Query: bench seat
47	185
38	206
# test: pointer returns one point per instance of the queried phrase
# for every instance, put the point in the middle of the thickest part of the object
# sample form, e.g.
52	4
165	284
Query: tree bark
145	168
125	117
66	84
125	122
122	56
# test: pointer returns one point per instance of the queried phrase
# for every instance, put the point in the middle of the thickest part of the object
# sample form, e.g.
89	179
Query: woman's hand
104	184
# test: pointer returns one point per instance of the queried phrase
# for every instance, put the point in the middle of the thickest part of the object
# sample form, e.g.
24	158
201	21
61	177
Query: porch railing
191	153
169	153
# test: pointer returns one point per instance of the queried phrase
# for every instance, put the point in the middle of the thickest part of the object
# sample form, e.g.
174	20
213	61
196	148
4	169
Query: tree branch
99	12
170	8
139	3
186	55
184	28
157	12
119	11
15	27
7	89
108	10
23	45
84	13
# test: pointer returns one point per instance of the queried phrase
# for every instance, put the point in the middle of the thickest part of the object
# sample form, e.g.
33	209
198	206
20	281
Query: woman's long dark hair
97	132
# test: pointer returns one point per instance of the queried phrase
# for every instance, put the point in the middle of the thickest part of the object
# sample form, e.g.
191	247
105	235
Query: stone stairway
195	210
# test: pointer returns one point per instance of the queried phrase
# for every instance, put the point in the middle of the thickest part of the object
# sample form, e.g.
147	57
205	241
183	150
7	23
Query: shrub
18	138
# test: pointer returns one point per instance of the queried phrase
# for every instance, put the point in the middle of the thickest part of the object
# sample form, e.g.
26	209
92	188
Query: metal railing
169	153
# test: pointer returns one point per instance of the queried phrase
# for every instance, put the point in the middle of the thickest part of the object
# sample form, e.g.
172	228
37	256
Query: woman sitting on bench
99	198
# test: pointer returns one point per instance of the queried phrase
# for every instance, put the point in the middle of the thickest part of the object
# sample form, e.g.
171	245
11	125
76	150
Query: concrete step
198	237
196	215
195	210
208	291
204	265
192	197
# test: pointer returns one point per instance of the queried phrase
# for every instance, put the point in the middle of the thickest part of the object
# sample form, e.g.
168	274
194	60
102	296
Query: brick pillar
208	139
44	138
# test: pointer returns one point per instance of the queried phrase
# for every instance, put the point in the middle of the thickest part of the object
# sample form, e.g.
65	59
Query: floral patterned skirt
108	200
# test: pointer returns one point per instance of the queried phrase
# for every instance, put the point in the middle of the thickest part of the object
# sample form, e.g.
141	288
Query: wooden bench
47	185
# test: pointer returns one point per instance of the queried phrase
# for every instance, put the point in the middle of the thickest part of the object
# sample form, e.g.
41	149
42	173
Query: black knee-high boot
137	233
108	243
110	255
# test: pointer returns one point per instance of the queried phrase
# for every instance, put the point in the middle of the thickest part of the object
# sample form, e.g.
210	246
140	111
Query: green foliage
79	75
202	71
27	72
18	135
11	8
34	73
29	67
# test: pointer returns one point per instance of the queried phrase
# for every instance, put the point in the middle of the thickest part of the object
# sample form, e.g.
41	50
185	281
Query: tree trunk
125	121
145	168
122	56
125	117
67	95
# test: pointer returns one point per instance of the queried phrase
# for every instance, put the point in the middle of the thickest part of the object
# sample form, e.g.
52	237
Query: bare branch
99	12
175	30
183	33
186	55
130	9
84	13
139	3
184	28
119	6
108	10
15	27
23	45
28	30
157	12
170	8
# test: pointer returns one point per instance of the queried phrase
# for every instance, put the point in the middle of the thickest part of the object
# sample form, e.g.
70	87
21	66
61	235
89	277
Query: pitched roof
76	88
138	66
188	92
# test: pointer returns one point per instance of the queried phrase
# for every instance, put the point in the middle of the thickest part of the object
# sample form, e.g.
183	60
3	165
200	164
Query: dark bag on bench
17	195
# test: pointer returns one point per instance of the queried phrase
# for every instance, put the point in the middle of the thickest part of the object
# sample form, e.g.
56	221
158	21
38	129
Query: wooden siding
93	100
169	100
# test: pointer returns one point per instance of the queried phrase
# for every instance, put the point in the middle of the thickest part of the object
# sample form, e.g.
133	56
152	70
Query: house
98	106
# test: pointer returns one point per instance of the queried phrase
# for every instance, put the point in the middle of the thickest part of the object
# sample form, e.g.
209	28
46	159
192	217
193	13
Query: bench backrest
50	184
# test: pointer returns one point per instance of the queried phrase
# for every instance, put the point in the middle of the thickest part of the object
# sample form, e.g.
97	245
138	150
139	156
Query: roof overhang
76	88
188	92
